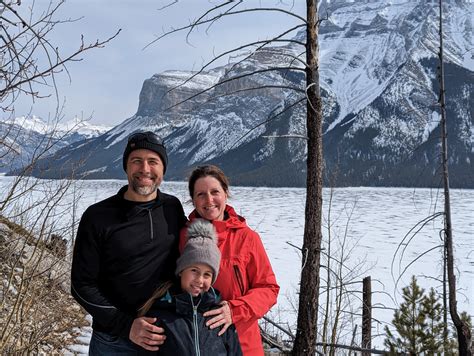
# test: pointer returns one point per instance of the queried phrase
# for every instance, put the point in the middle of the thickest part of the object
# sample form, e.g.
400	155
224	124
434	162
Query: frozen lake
367	227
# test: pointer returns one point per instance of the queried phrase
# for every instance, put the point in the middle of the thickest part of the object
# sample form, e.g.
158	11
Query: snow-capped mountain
28	138
59	128
378	75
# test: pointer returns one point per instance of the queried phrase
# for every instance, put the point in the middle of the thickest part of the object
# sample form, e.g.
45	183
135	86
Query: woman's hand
221	317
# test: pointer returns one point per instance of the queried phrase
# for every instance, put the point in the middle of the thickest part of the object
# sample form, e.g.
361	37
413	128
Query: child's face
196	279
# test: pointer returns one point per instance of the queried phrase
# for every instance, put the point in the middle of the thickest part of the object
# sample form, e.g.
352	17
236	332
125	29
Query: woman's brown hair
208	171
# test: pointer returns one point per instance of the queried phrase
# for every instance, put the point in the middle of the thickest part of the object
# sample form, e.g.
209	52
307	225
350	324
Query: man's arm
84	282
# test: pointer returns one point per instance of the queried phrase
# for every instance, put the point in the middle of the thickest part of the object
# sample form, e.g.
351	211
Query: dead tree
367	315
306	333
463	332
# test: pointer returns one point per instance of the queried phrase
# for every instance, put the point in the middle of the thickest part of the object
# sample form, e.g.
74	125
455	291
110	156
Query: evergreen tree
409	322
432	339
419	325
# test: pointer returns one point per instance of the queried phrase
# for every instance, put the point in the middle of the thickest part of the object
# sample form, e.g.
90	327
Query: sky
104	86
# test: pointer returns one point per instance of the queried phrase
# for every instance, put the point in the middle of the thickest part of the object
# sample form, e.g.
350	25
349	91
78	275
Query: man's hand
221	317
147	335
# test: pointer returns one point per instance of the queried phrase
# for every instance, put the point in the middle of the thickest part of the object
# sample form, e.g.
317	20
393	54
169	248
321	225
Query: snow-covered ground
377	220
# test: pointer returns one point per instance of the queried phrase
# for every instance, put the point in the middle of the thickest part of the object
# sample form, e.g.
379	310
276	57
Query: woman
246	279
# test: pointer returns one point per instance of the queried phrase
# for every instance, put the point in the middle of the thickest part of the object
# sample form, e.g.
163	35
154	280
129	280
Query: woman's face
209	198
196	279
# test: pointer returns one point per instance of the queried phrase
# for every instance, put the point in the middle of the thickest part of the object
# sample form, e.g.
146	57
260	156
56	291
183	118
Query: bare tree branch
225	81
230	13
288	107
234	50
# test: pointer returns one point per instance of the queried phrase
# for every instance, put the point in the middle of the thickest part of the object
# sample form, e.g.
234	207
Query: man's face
144	173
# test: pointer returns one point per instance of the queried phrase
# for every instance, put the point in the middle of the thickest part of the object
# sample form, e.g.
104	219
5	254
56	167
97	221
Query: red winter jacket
246	279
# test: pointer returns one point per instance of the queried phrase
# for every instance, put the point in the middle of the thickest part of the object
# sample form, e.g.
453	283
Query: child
179	309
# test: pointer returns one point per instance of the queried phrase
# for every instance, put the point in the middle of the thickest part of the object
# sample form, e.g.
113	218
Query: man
125	246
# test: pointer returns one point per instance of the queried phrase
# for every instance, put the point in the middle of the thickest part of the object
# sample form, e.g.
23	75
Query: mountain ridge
28	138
378	80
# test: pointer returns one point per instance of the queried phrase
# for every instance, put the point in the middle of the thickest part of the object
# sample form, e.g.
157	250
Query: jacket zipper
238	276
195	325
151	224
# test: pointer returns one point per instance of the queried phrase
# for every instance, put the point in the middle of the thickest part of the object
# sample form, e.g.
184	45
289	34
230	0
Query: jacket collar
131	208
185	302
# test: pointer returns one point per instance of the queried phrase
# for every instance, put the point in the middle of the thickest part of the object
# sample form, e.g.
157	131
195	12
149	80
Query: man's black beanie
145	140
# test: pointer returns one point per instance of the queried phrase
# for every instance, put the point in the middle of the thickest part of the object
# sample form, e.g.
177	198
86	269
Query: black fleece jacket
182	318
122	251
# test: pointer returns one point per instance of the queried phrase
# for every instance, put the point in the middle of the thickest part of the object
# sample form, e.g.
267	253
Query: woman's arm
262	290
258	292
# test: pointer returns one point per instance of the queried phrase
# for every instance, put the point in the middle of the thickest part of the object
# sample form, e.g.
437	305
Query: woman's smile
209	198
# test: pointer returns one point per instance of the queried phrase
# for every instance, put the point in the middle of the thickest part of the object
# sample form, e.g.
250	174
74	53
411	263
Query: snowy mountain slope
378	77
28	137
57	129
364	44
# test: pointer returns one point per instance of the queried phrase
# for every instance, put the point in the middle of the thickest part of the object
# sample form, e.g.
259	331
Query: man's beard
145	189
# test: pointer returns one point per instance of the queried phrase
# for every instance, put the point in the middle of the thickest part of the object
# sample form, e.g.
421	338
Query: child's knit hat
201	247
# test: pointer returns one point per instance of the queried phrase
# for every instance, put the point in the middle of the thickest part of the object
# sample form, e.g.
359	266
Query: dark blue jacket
186	333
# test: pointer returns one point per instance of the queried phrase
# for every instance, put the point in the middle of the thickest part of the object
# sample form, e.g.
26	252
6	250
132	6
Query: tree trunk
445	301
464	334
366	315
306	333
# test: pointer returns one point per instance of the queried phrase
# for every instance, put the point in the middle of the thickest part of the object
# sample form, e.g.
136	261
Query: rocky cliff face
378	68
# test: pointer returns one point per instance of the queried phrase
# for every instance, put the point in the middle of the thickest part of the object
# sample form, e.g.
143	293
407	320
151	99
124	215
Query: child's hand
222	317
